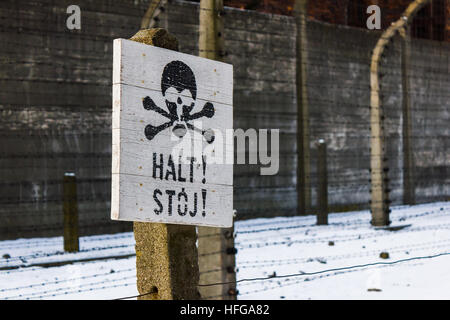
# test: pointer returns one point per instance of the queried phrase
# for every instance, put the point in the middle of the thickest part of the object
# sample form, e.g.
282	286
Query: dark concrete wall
55	111
55	104
262	49
430	96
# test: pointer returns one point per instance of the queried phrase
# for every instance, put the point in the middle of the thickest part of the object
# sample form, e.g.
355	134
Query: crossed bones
179	129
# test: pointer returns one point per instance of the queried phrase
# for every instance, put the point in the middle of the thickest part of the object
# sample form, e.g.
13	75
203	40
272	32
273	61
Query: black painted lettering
155	193
182	194
170	193
180	177
194	213
191	173
159	166
171	172
204	202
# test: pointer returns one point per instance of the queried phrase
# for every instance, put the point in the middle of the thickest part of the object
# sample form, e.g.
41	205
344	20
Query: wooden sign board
164	101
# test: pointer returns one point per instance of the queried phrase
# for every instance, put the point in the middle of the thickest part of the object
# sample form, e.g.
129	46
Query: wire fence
104	280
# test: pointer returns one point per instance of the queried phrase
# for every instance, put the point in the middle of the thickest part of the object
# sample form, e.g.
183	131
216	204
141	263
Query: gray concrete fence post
217	258
70	210
408	157
303	152
322	185
378	162
166	254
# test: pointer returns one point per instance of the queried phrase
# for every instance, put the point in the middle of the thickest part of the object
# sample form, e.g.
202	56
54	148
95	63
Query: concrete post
215	245
322	186
207	29
379	198
70	209
217	263
408	157
166	255
303	152
219	32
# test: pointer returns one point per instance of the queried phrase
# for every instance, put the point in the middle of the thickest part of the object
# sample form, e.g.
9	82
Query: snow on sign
172	115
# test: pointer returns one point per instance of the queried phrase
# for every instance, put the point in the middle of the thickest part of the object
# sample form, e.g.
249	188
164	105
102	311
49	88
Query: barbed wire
53	293
337	238
254	264
25	258
302	274
345	224
257	264
288	282
58	242
47	283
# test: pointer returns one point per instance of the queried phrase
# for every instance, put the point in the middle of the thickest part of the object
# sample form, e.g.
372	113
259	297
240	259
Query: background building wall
435	16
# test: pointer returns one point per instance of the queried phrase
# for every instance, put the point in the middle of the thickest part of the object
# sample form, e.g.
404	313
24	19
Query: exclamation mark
204	169
204	202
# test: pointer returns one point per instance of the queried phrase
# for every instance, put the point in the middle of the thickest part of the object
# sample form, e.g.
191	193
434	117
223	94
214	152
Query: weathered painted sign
171	113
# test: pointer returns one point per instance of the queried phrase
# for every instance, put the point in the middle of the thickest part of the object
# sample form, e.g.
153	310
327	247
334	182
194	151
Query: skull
179	88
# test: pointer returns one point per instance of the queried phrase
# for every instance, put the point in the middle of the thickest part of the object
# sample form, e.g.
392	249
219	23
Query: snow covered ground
31	268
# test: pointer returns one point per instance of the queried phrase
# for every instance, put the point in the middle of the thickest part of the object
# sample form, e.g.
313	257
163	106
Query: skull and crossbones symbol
179	88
